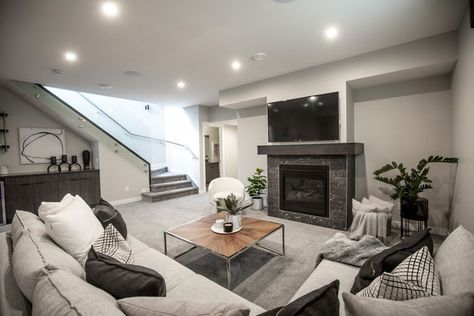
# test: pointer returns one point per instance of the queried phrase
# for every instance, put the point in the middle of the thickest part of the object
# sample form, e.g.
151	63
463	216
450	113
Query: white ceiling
196	40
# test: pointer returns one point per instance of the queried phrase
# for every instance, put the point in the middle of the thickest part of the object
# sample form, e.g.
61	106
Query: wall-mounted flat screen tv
311	118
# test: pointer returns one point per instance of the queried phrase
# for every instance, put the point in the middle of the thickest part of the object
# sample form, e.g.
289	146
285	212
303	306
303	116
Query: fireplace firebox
305	189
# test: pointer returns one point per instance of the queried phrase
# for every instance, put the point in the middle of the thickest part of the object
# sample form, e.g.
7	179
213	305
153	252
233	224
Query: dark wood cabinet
212	171
27	191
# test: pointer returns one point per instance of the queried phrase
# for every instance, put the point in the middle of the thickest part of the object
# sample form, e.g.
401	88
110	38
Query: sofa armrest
12	301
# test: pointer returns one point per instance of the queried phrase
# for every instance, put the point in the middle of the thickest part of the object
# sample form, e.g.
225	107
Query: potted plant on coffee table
256	187
233	207
408	185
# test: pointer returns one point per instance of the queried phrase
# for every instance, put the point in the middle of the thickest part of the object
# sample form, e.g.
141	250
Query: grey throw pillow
163	306
456	305
455	262
62	293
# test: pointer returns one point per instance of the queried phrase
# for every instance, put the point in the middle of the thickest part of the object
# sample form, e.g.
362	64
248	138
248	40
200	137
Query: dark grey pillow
390	258
320	302
122	280
107	214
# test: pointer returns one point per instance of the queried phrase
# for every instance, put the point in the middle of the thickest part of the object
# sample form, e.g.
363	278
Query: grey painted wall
406	122
463	128
21	113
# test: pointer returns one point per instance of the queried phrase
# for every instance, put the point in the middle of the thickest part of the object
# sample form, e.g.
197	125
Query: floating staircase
165	185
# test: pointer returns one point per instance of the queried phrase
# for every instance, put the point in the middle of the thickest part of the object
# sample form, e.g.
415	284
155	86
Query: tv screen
311	118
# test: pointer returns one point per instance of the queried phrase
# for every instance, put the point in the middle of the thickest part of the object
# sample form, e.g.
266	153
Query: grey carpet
259	276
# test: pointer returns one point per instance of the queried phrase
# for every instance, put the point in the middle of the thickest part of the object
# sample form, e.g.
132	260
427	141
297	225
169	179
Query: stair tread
171	183
170	175
169	192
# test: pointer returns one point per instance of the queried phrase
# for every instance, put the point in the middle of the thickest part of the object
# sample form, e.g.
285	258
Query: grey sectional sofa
182	283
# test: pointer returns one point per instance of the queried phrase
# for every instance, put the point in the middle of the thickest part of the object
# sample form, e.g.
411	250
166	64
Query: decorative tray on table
220	230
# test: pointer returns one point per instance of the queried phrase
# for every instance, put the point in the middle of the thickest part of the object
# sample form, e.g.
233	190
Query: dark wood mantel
312	149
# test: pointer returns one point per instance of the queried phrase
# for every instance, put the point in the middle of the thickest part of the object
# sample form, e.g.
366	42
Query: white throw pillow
363	207
46	208
382	206
73	226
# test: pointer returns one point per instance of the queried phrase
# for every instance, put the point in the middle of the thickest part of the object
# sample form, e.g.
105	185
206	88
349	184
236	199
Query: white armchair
222	187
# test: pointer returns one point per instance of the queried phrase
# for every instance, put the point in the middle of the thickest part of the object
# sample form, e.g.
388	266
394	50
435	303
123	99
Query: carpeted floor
259	276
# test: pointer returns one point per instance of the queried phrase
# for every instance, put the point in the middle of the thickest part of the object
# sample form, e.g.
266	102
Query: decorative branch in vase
233	207
408	185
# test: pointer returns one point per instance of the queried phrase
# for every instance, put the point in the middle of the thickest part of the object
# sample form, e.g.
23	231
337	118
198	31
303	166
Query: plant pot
257	204
234	219
415	209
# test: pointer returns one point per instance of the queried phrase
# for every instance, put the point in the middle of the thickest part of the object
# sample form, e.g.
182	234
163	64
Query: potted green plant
256	187
407	185
233	207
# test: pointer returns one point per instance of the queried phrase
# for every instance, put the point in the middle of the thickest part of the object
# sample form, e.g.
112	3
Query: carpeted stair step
173	185
158	171
170	194
168	178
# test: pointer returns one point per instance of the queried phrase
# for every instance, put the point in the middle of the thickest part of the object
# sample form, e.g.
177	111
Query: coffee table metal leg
283	239
229	275
166	246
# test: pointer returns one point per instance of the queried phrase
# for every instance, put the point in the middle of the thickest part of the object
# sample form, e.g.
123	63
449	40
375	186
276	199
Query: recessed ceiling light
132	73
305	105
181	84
331	32
259	56
236	65
320	103
110	9
70	56
105	86
313	98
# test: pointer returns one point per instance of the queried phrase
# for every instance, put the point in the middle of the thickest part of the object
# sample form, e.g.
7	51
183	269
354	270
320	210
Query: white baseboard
125	201
442	231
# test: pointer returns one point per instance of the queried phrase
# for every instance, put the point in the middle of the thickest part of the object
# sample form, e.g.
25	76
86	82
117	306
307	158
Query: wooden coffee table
198	233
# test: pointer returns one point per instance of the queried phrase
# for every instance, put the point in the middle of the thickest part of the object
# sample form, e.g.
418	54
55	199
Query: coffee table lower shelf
231	256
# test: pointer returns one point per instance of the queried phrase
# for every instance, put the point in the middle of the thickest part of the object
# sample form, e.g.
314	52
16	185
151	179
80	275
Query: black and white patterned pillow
415	277
111	243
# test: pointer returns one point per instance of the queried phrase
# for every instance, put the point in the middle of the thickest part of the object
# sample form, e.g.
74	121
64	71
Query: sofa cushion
136	245
164	306
462	304
122	280
12	300
173	272
112	244
390	258
320	302
455	262
107	214
23	221
199	288
33	253
326	272
72	225
415	277
63	293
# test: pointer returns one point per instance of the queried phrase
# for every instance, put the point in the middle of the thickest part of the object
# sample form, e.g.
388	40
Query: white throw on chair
371	217
222	187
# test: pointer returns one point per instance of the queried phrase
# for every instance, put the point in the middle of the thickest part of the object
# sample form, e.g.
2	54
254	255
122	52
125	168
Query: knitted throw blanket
354	252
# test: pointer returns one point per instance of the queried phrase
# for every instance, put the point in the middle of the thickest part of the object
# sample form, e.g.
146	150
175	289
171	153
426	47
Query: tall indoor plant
407	185
233	207
256	187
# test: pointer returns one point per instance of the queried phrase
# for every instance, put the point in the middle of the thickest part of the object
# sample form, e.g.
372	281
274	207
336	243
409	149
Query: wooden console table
26	191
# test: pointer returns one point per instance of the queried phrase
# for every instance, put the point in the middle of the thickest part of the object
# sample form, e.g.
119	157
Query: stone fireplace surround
340	157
